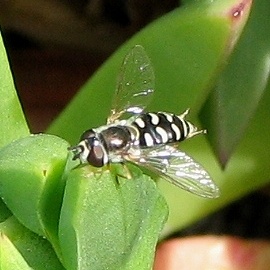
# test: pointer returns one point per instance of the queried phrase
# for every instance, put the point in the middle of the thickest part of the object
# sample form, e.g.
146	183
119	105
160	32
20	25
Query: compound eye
96	156
90	133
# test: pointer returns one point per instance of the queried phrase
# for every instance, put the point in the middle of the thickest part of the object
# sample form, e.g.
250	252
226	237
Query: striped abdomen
161	128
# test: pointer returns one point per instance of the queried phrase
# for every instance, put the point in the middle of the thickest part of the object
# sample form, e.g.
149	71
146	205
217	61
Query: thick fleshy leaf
4	211
31	182
36	250
12	121
240	88
247	170
11	259
109	222
187	48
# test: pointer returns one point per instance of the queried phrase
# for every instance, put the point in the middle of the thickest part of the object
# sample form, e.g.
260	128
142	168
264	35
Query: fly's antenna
76	150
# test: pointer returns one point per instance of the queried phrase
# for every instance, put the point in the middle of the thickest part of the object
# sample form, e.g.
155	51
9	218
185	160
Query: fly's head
90	150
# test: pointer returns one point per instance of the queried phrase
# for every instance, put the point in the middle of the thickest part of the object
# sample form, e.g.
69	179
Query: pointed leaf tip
240	88
237	12
240	10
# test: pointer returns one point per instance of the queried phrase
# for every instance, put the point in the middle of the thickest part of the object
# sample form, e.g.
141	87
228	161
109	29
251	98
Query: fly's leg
127	171
184	114
122	171
194	132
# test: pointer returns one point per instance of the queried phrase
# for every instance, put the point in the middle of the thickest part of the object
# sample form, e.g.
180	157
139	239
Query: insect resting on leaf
147	139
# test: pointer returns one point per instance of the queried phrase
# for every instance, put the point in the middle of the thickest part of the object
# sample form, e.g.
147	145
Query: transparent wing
135	84
178	168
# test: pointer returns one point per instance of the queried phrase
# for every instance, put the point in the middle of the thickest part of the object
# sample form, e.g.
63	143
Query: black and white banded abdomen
162	128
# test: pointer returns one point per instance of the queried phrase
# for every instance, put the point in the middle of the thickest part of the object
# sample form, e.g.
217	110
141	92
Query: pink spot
237	11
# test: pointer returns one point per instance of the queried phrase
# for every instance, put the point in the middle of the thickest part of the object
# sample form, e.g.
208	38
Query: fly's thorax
163	128
116	138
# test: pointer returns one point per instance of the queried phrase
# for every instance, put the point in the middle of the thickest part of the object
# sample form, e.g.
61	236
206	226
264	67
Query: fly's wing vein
135	85
178	168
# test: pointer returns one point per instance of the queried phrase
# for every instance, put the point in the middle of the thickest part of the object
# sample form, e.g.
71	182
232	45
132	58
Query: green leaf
4	211
109	222
187	48
247	170
31	182
240	88
11	259
12	120
36	250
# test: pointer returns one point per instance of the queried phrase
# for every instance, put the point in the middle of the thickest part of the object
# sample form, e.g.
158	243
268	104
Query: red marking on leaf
237	11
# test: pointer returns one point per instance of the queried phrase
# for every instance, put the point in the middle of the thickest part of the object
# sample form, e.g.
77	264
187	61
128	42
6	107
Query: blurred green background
210	56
